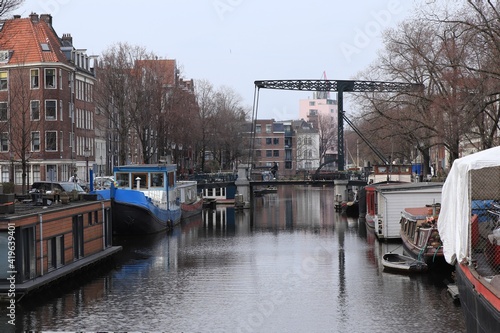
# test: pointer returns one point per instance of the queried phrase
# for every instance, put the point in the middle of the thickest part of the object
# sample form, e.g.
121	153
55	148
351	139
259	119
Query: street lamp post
86	153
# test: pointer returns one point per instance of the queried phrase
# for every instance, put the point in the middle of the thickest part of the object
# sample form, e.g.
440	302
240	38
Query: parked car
102	183
49	187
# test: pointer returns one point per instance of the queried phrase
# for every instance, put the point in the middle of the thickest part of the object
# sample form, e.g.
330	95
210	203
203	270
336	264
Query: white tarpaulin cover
454	218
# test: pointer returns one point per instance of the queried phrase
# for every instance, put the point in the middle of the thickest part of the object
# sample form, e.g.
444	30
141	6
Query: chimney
67	40
17	16
47	18
34	17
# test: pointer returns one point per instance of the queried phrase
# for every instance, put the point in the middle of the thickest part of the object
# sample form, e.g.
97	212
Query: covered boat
386	201
470	231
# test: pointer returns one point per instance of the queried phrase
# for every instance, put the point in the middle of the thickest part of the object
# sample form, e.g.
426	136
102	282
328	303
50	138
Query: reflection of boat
145	199
191	203
420	234
265	190
401	263
350	208
471	243
218	193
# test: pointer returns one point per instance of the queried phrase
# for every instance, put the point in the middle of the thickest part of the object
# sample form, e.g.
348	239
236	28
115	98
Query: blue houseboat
144	198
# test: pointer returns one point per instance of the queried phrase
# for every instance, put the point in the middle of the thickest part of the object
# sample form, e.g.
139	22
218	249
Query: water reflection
289	264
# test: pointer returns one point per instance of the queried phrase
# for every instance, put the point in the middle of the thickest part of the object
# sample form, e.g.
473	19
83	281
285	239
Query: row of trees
454	52
145	98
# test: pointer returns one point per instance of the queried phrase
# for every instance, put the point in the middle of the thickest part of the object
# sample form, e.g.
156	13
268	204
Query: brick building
46	103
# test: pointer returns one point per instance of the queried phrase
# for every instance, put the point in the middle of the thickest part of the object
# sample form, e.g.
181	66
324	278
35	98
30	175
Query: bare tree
327	140
7	6
205	96
24	120
443	113
114	95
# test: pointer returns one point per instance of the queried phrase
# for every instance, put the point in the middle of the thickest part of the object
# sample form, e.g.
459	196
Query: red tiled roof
24	36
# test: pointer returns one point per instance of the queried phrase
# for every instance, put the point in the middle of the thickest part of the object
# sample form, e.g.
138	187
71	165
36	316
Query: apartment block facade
46	103
292	144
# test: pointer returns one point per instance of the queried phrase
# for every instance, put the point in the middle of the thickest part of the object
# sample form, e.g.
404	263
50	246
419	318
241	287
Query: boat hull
433	257
481	307
130	219
192	209
402	264
370	221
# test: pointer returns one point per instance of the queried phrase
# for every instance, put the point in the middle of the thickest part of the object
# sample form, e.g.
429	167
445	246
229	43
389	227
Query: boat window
122	180
157	179
382	169
171	179
144	179
406	170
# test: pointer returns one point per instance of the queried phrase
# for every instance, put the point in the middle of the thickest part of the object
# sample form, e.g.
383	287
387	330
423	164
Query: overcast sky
235	42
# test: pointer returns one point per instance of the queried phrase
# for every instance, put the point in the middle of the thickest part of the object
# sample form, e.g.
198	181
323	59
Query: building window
50	78
35	141
34	79
268	141
36	172
50	109
268	128
51	172
51	141
312	103
55	251
269	153
258	153
5	174
3	111
276	153
258	129
35	110
313	112
276	141
4	141
3	80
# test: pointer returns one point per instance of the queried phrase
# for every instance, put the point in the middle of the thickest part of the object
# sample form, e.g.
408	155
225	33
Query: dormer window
5	56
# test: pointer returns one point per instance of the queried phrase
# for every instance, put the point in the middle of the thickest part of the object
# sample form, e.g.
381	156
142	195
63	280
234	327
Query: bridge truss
339	86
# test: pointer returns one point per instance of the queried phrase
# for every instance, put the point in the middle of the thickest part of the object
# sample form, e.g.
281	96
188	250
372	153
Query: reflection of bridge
327	182
227	191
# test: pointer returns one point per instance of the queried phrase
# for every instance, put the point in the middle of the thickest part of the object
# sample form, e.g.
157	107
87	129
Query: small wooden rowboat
403	264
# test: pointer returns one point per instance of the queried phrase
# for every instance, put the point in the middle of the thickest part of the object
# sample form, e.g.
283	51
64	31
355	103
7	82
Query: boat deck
63	272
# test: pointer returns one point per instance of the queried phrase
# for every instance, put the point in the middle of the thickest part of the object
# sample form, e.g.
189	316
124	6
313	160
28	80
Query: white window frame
55	109
37	76
46	141
54	78
31	110
32	141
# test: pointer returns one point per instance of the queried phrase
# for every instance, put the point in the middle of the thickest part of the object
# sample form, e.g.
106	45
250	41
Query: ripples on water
291	265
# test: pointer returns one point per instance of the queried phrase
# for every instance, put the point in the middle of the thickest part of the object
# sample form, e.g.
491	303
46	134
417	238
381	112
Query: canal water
291	264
